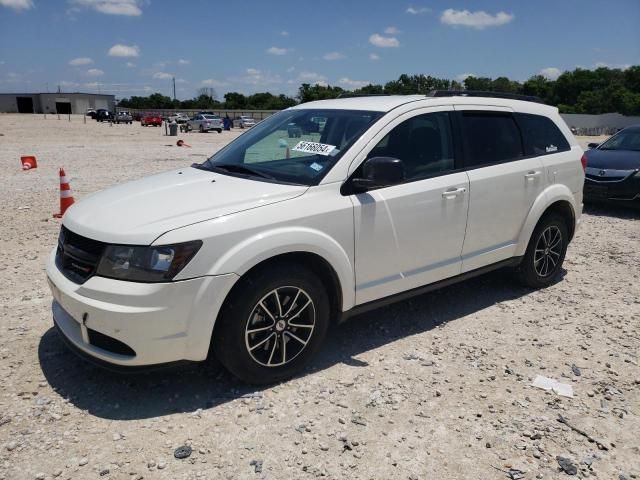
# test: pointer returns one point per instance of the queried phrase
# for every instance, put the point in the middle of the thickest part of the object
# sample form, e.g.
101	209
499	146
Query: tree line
601	90
206	99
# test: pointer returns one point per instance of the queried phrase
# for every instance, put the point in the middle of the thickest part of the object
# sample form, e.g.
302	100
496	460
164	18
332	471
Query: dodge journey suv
252	255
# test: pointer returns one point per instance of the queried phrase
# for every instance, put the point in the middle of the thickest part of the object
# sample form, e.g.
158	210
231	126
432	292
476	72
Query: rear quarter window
541	135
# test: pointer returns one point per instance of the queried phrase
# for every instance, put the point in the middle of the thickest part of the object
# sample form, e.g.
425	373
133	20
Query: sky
136	47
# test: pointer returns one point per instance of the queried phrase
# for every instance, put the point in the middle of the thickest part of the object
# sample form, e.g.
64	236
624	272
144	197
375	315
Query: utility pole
174	88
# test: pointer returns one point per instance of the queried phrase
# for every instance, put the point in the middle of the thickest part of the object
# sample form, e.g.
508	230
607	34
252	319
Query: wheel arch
314	248
312	261
555	199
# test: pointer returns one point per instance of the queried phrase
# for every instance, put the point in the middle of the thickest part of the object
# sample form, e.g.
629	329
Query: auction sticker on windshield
313	147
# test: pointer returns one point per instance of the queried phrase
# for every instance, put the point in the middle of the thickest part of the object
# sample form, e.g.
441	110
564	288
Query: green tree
310	93
478	83
538	86
235	101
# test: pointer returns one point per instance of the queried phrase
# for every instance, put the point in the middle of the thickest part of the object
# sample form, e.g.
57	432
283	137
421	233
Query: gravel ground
433	388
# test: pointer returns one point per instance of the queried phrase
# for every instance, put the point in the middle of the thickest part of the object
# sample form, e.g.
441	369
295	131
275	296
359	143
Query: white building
62	103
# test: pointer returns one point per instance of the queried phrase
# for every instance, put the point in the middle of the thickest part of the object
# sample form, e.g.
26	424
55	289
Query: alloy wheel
280	326
548	251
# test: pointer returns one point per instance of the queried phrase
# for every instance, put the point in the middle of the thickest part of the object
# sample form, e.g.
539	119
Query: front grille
77	257
601	179
109	344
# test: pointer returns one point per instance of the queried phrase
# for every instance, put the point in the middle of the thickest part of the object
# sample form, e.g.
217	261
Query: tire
201	129
219	130
542	262
258	358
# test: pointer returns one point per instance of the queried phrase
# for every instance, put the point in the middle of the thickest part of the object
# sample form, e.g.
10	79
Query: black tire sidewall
527	270
228	340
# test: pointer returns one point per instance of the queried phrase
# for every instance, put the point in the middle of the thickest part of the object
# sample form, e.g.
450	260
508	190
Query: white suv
252	255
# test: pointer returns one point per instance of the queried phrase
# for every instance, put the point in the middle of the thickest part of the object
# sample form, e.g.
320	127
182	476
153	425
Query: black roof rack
480	93
356	95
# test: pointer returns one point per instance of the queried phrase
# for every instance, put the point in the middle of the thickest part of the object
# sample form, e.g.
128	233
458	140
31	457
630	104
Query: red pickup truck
151	119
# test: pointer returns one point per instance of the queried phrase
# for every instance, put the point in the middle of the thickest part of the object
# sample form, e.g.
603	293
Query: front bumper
625	190
158	322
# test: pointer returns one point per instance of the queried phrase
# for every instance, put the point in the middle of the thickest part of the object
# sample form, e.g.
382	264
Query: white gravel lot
433	388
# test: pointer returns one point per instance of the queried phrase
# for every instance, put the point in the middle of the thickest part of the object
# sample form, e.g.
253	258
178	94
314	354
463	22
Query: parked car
123	117
151	119
245	122
205	123
178	118
103	115
254	254
613	169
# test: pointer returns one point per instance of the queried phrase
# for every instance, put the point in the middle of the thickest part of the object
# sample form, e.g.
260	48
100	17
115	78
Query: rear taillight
583	161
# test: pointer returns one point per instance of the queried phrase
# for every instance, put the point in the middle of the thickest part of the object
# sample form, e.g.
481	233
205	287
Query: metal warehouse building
62	103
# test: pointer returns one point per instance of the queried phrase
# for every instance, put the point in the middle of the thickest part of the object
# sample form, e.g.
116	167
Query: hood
138	212
613	159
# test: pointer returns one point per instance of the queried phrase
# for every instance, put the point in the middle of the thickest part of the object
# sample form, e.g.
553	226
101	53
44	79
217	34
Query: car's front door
504	183
411	234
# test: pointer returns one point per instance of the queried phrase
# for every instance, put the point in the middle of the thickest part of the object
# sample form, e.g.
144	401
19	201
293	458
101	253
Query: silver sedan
205	123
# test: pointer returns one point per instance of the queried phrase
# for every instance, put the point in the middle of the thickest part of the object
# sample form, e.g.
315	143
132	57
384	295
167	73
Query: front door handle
532	174
453	193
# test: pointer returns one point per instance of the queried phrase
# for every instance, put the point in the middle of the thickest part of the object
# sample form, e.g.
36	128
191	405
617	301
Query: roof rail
480	93
355	95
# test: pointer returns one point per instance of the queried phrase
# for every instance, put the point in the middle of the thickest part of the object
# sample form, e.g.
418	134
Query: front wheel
273	322
545	253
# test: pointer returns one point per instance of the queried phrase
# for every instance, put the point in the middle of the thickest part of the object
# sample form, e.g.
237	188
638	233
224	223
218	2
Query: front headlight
146	264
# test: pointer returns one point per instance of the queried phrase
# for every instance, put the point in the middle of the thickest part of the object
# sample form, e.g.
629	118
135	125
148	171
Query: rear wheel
201	129
273	322
545	253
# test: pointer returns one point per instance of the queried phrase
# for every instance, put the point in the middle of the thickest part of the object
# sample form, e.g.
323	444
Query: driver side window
423	143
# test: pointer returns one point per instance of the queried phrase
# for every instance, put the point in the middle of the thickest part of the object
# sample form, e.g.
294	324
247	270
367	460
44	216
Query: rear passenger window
490	137
541	135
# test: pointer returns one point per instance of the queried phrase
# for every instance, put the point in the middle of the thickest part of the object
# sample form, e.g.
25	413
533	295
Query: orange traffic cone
66	196
28	162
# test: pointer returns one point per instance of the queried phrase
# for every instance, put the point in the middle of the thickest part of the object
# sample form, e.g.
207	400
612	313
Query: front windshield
624	140
293	146
210	117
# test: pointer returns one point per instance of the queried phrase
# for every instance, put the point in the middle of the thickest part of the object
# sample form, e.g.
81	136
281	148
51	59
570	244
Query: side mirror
593	145
378	172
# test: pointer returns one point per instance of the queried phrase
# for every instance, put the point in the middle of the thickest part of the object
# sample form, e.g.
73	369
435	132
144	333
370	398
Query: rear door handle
453	193
532	174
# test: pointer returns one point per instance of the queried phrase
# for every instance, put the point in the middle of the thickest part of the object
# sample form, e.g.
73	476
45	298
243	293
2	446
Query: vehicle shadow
608	210
186	389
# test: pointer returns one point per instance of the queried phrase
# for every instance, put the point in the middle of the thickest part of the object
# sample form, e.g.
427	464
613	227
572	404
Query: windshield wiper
238	168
